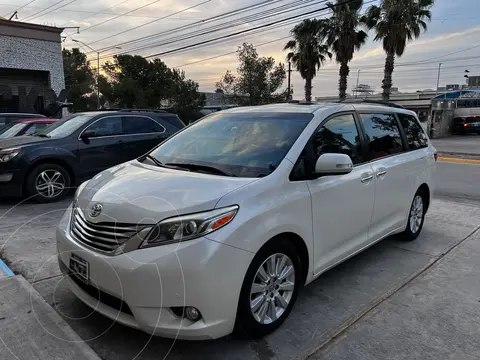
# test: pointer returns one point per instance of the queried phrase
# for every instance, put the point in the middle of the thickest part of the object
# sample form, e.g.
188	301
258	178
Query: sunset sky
452	37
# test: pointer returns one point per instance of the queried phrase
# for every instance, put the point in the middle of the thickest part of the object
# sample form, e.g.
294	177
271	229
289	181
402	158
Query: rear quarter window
416	137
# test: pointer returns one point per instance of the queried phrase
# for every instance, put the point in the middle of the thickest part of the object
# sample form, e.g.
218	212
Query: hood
21	140
134	192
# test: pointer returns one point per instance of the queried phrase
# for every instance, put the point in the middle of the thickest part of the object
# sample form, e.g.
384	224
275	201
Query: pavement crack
47	278
342	329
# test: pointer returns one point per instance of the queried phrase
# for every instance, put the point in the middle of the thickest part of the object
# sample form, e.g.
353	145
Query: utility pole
356	89
438	77
289	91
98	67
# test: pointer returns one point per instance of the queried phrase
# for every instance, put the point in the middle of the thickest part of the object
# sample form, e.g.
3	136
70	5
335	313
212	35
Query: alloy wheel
416	214
272	288
50	183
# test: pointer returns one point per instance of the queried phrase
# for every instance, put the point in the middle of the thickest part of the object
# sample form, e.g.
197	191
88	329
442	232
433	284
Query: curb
459	160
458	155
39	331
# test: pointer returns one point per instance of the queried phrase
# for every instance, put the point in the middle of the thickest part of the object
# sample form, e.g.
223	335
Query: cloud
453	28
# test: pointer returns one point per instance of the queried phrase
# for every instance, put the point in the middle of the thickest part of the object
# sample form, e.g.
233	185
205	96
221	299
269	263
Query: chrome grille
103	236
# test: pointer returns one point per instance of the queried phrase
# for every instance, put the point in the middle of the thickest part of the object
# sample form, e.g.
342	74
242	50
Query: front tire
416	216
48	183
269	289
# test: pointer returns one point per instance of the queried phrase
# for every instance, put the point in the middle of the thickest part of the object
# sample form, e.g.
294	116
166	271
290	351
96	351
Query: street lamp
98	66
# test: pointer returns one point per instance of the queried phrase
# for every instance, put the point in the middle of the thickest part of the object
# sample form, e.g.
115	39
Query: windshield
65	126
11	130
240	144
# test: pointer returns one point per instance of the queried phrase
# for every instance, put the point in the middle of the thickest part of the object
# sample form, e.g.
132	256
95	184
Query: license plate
79	268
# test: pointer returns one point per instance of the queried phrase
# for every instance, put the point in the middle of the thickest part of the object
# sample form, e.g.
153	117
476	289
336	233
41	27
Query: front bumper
200	273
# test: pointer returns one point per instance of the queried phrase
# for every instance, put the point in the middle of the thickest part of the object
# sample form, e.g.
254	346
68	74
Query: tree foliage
341	32
135	82
131	82
307	52
258	79
79	80
397	22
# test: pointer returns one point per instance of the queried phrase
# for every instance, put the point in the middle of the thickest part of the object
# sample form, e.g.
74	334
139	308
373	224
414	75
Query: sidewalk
435	316
30	329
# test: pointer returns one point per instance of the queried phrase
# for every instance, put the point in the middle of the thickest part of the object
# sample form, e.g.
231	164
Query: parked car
7	118
25	127
220	226
46	165
466	125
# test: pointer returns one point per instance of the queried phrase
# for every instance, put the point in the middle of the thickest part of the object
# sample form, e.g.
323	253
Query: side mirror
88	134
333	164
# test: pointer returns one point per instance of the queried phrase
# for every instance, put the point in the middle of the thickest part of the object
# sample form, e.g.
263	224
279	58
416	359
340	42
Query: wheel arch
299	244
47	160
425	189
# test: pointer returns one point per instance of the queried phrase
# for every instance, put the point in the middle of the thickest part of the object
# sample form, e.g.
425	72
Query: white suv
220	226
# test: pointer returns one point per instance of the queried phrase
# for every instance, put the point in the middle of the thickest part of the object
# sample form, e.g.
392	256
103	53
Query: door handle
381	173
366	178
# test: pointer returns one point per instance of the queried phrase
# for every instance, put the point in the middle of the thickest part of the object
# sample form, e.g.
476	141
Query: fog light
192	313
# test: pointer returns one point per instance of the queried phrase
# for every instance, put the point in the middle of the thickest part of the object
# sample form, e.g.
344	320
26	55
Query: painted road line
5	269
459	160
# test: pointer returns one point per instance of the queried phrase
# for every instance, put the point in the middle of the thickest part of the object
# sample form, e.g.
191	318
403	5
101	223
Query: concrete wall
33	54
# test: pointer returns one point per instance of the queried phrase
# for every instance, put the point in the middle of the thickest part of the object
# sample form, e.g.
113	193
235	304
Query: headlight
187	227
8	154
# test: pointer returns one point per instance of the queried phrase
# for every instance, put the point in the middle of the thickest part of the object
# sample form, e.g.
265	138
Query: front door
342	205
145	133
105	148
393	179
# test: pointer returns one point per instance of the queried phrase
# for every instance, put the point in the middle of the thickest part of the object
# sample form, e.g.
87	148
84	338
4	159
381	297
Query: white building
31	66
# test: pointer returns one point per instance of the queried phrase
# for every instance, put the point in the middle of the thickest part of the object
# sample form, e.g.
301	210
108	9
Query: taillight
465	125
435	156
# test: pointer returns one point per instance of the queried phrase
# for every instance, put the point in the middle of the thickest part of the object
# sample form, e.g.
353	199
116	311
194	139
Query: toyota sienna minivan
219	227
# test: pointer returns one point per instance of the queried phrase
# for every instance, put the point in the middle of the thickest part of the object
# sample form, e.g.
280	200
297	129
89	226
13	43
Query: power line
48	12
21	7
230	53
38	12
153	21
118	16
111	7
92	12
183	27
219	27
245	31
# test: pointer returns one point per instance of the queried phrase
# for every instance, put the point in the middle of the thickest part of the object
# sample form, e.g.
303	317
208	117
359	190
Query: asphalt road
332	303
458	181
466	144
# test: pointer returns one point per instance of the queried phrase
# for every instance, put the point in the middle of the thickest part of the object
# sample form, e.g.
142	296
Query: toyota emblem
96	210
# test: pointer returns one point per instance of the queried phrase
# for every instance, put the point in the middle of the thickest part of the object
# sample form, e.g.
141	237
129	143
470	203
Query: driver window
338	135
107	126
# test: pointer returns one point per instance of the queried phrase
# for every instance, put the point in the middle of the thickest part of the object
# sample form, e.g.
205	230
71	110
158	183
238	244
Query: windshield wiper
205	168
42	135
159	163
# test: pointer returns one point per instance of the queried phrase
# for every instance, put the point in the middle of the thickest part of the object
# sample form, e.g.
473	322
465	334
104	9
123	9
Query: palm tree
308	53
343	36
397	22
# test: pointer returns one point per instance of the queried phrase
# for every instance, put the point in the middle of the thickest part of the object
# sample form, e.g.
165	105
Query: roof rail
143	110
375	102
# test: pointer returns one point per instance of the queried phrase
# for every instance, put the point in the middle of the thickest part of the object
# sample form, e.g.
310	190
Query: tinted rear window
173	120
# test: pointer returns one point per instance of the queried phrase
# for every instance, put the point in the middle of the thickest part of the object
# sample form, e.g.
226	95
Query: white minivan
220	226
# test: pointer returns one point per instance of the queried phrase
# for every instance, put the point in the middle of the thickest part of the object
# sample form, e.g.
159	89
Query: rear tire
48	183
269	290
416	216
